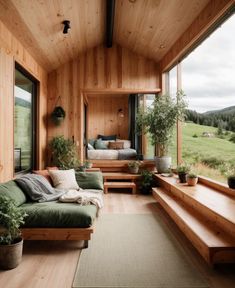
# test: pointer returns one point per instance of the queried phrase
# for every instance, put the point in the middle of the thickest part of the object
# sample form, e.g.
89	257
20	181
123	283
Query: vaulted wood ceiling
147	27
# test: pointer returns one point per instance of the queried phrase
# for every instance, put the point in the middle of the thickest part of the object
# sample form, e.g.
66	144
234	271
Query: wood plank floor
53	263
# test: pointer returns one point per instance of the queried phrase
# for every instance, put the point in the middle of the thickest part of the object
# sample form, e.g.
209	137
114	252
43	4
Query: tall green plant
160	119
64	153
11	217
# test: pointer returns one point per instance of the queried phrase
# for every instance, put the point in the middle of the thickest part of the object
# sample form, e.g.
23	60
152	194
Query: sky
208	73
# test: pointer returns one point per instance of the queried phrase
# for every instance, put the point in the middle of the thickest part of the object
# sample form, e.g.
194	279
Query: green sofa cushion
12	190
90	180
58	215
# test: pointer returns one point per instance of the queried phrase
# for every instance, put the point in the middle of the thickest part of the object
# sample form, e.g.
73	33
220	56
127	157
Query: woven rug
135	251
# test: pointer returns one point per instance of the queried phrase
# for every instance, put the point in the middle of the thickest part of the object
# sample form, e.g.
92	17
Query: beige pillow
64	179
116	145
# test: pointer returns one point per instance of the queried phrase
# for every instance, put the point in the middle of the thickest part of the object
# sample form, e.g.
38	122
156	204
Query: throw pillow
110	137
116	145
99	144
92	142
90	147
90	180
64	179
127	143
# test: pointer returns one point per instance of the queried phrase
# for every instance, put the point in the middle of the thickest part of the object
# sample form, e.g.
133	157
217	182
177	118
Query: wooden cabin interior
113	50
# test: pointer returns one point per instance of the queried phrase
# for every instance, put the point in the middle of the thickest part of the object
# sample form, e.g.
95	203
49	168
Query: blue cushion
110	137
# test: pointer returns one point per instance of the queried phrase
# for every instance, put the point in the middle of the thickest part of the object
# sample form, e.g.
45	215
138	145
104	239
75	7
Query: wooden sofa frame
58	234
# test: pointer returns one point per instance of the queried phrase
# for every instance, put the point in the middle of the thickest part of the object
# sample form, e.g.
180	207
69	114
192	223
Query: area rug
135	251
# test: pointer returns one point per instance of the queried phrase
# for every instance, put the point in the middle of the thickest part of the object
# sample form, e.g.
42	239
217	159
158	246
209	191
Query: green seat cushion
90	180
59	215
13	191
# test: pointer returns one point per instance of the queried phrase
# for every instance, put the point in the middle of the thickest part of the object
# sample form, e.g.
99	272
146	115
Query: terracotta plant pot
182	177
192	181
11	255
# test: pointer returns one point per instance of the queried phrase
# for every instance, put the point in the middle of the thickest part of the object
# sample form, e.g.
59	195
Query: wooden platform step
214	245
120	176
120	185
214	205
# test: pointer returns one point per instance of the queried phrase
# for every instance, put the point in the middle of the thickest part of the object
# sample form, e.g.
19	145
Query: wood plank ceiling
147	27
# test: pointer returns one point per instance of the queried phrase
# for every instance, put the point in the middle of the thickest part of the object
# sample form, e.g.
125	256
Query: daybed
117	149
52	220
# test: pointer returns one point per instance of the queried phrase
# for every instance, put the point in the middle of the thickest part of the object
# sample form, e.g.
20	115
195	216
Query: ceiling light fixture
67	26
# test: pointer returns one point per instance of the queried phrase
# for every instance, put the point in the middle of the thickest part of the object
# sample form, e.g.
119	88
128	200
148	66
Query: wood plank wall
103	116
99	68
11	50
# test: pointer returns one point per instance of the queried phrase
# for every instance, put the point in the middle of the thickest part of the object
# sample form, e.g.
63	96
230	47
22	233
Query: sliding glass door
24	121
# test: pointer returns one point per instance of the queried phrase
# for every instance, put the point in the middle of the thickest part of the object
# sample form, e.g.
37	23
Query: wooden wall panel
11	50
99	69
103	116
6	119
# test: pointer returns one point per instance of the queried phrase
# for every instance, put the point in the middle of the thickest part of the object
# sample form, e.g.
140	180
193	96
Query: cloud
208	72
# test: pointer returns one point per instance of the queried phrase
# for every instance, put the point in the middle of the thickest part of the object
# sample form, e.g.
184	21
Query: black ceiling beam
110	12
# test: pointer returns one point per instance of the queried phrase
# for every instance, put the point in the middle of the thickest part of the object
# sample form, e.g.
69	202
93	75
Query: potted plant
11	242
192	179
64	153
58	115
159	121
231	178
133	166
146	182
88	164
182	171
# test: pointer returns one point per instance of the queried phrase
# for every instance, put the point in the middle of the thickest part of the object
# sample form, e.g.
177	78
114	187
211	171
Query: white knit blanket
84	197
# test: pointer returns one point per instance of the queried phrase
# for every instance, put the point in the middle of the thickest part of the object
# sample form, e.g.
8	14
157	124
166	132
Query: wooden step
214	245
120	176
213	204
120	185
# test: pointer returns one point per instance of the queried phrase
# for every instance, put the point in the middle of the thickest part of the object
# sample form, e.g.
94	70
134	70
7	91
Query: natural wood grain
12	50
119	185
103	116
38	25
204	235
154	25
121	165
213	204
52	264
6	116
98	68
57	234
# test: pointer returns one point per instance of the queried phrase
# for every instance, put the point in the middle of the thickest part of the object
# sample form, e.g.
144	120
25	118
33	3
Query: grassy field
197	148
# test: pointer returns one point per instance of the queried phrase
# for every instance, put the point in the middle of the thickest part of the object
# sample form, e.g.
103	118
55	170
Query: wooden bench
119	185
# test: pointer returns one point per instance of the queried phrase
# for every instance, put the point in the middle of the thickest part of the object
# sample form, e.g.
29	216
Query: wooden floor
52	264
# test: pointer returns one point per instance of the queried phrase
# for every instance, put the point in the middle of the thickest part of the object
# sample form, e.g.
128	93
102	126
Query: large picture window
24	121
208	134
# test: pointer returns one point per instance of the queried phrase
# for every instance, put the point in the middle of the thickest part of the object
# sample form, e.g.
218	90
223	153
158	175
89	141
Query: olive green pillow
13	191
90	180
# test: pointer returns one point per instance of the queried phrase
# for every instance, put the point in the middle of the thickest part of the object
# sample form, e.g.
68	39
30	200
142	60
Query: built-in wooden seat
120	185
213	204
214	245
205	215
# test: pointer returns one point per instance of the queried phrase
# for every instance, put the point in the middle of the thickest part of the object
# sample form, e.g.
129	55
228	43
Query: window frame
34	111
